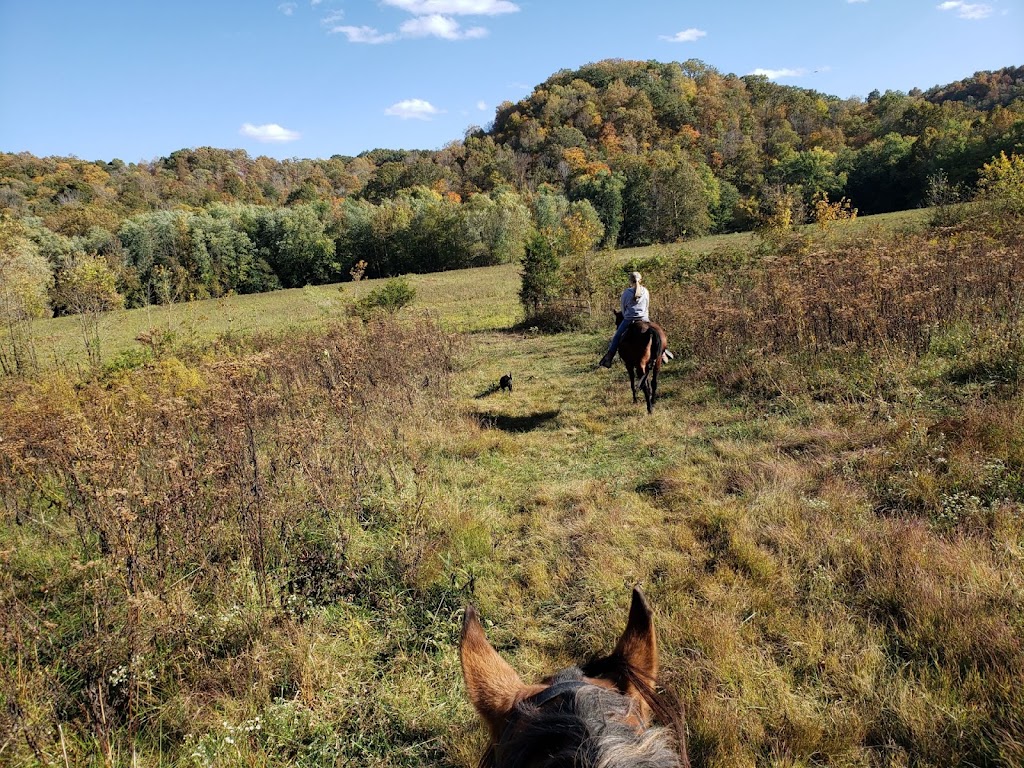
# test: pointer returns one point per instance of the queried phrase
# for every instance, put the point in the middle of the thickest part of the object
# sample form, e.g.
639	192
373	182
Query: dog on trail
505	383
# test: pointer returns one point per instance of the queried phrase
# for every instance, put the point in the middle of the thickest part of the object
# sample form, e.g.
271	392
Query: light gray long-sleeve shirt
636	303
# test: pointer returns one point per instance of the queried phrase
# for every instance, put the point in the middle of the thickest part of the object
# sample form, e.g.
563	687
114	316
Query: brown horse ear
493	686
638	646
633	665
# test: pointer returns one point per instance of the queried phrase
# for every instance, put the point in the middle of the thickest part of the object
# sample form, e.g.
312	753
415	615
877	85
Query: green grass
464	300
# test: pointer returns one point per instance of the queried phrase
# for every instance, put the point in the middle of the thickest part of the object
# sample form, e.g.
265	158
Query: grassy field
260	557
462	300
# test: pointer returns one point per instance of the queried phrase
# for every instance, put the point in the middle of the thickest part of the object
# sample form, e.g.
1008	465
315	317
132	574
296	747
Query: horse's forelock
585	727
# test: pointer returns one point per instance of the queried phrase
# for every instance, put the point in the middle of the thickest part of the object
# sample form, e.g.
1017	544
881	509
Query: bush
1002	183
390	297
556	317
946	201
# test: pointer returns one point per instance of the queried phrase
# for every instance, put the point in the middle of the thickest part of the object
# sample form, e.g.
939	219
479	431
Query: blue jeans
614	345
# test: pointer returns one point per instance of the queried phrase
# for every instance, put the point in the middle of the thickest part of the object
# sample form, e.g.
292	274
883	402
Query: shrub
1002	183
557	316
390	297
946	201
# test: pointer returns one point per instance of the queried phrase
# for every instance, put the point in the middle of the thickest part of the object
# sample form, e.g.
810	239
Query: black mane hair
587	727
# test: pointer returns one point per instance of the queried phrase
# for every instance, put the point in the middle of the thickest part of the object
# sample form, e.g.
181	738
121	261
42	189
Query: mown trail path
582	491
570	415
582	494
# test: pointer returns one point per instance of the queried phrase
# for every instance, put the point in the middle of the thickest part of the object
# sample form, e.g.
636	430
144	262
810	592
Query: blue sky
138	79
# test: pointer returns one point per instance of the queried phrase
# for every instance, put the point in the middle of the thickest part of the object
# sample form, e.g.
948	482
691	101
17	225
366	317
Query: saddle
640	325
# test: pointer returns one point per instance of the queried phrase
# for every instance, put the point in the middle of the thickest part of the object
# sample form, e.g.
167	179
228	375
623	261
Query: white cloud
287	8
364	35
413	108
967	10
686	36
271	133
430	18
481	105
439	26
856	1
776	74
454	7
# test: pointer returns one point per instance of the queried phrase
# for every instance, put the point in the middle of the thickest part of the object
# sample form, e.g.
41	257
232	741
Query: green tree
395	294
303	253
438	236
540	274
499	225
637	201
814	171
603	190
680	197
389	229
581	232
882	177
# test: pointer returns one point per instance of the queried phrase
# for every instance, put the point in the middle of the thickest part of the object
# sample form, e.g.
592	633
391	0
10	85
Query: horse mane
664	704
587	728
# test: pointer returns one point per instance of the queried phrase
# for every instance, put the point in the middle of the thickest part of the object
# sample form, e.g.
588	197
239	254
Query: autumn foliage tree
25	279
661	151
88	289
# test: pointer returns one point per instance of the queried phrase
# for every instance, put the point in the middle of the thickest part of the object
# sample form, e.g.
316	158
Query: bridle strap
556	690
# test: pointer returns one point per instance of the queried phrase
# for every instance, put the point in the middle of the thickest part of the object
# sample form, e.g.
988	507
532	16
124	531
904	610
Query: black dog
506	382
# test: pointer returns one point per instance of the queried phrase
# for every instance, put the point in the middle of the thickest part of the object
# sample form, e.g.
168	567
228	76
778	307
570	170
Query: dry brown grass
177	524
890	293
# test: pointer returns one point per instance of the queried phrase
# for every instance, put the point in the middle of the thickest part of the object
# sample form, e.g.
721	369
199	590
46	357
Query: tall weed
163	523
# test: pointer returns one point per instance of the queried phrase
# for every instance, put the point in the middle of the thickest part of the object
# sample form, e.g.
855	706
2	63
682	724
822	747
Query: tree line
655	151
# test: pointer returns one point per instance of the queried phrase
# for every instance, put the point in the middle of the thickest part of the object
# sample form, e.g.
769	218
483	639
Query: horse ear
493	686
633	665
638	646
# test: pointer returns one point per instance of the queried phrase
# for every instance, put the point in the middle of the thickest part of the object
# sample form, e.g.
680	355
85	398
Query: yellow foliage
575	158
610	141
1002	180
827	213
179	380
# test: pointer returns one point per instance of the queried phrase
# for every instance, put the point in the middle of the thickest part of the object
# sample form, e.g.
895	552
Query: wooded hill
655	151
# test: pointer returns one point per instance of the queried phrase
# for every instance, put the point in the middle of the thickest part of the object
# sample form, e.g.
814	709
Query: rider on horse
636	302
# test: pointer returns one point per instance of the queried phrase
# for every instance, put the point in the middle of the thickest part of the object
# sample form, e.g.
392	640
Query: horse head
599	713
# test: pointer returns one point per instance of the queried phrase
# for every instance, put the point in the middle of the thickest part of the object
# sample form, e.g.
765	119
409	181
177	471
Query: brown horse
595	715
642	348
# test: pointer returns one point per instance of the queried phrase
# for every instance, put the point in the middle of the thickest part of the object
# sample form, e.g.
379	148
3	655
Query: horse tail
654	339
656	347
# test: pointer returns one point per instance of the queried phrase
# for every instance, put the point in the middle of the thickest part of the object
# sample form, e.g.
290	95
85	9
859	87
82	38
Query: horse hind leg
646	386
632	382
652	387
